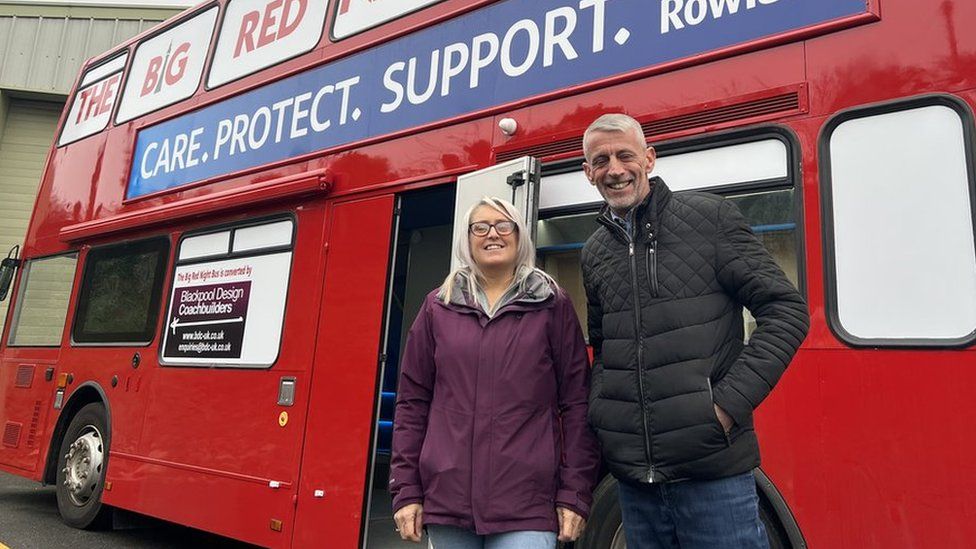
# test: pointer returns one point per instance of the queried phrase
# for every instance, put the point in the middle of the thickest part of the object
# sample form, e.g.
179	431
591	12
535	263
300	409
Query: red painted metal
870	448
273	190
343	388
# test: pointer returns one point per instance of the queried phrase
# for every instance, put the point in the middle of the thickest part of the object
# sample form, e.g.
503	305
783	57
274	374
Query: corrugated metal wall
42	48
43	54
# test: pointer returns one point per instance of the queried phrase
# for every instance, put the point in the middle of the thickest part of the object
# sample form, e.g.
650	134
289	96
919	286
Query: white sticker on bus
167	67
259	33
227	312
354	16
91	109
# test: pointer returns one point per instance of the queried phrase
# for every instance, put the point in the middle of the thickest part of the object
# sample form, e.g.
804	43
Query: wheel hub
83	466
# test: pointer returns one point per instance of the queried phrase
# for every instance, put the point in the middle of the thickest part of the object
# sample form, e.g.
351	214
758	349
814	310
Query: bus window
254	36
42	305
227	302
92	105
898	219
755	175
119	297
166	68
355	16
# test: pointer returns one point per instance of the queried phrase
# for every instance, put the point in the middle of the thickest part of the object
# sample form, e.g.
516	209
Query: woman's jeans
452	537
707	514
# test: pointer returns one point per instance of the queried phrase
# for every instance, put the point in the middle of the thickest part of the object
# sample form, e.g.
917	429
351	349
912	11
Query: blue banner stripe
498	54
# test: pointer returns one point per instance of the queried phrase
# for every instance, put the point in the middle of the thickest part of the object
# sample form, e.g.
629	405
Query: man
674	387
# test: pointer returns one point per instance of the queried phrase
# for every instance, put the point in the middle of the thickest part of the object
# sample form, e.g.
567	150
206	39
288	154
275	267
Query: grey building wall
42	48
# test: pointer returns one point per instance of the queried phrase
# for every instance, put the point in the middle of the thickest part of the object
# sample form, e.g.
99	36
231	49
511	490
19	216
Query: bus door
516	181
422	235
338	429
225	421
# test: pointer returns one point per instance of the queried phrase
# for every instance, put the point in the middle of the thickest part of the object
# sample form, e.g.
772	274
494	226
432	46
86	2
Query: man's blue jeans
705	514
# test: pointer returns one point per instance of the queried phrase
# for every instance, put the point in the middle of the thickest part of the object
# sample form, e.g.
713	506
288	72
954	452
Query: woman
490	442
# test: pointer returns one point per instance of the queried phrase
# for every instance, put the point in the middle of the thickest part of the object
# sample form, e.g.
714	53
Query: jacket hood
535	288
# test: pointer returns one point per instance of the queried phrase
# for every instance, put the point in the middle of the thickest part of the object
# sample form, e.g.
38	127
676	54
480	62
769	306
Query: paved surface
29	520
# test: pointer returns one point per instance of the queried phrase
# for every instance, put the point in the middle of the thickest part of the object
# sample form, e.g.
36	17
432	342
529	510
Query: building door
25	137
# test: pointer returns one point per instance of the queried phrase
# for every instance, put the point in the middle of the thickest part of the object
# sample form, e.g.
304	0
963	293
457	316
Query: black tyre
605	530
82	461
774	531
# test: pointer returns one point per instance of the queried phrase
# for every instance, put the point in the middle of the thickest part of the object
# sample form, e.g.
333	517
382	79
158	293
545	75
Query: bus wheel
774	532
605	528
81	469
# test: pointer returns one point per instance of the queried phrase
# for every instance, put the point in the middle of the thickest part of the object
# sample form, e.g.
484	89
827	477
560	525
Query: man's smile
618	185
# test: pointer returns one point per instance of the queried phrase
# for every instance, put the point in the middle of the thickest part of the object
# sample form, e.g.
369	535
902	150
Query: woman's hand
409	521
570	524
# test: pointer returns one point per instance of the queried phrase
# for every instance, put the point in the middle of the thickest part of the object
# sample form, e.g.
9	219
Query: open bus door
384	255
516	181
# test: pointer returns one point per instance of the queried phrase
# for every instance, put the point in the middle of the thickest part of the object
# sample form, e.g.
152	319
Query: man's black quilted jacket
665	323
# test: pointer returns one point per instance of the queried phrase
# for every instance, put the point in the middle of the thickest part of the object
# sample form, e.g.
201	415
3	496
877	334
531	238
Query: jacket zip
640	355
640	351
650	264
711	396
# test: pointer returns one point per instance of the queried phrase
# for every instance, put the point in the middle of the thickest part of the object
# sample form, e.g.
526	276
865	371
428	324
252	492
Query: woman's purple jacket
490	429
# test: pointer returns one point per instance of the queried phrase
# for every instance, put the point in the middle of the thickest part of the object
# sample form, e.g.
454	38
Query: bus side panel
888	434
25	404
343	391
218	452
897	58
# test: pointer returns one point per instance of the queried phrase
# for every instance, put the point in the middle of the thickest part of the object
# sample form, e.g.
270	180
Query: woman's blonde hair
524	254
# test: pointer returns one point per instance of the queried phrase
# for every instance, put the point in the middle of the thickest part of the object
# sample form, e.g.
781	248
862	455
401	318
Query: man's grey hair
468	269
613	122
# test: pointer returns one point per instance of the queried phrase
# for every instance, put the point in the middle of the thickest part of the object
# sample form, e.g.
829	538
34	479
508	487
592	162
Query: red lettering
95	101
287	27
108	94
344	6
83	101
178	60
267	36
245	38
152	76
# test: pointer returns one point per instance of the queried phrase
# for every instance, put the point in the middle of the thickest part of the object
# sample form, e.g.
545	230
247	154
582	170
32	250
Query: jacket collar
647	213
535	292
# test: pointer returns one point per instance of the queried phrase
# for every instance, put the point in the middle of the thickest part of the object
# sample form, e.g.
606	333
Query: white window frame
94	76
372	21
268	316
863	307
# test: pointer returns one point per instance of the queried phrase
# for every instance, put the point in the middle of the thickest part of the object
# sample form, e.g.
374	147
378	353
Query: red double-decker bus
244	207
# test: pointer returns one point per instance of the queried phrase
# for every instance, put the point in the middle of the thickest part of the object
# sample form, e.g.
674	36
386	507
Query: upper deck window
167	67
354	16
92	105
261	33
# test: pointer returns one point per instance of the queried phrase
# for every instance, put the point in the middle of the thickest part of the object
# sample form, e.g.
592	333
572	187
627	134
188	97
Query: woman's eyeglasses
503	228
